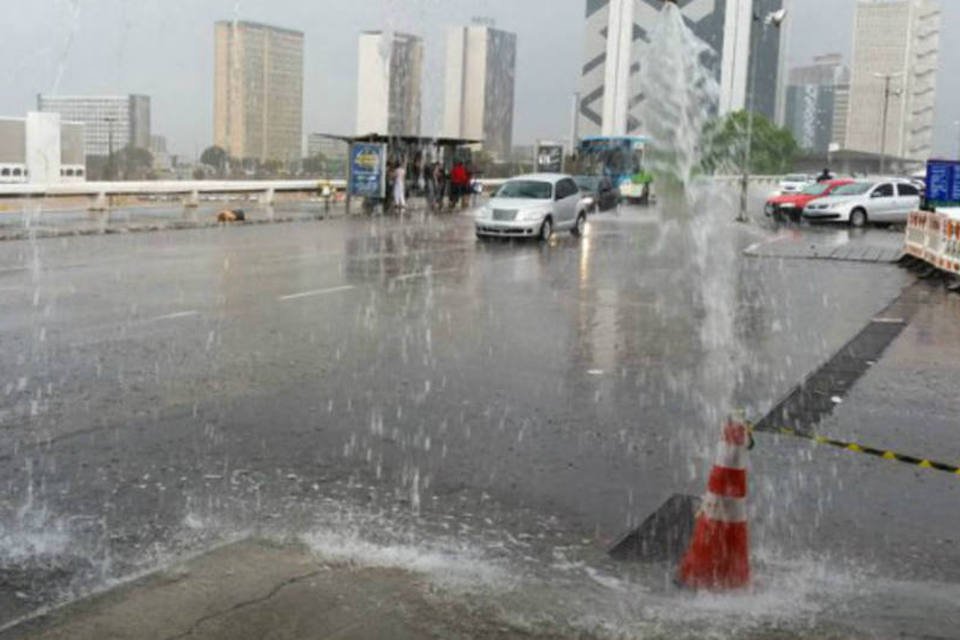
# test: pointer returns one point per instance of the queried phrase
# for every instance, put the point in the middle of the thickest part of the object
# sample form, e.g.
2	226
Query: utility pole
887	92
774	18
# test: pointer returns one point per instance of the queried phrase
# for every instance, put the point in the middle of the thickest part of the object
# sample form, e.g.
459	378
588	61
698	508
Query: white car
857	203
533	206
794	183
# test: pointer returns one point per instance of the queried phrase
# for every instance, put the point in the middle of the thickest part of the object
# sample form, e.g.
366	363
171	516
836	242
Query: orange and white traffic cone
718	557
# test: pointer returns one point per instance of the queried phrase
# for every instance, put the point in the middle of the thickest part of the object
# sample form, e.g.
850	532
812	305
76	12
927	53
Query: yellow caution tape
923	463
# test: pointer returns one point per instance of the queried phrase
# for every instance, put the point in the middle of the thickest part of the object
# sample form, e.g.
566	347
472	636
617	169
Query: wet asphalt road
157	381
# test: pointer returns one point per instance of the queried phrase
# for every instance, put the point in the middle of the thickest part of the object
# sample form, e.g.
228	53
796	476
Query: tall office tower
389	78
258	91
617	30
479	86
896	46
814	94
109	121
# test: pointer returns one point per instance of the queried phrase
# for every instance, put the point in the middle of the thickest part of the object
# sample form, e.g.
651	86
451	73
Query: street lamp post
775	19
887	92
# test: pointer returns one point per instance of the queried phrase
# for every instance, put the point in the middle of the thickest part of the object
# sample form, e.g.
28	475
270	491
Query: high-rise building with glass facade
258	91
816	101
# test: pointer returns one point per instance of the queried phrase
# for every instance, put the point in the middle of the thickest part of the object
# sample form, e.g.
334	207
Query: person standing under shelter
399	186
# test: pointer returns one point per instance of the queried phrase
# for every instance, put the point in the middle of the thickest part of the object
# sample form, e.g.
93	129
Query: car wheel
858	218
546	230
579	225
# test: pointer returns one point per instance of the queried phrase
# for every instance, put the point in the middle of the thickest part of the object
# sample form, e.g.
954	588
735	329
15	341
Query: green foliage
215	157
772	149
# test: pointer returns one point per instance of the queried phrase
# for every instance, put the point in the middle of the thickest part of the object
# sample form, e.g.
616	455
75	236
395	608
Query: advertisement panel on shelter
368	163
943	183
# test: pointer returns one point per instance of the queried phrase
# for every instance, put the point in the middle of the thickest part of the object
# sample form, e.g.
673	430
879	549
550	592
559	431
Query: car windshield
587	183
815	189
854	189
532	189
795	178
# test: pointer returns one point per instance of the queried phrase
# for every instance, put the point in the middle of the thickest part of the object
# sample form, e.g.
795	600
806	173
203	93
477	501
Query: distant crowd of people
433	182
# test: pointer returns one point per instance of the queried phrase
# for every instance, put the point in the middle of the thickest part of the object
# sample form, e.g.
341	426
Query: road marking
423	274
315	292
174	316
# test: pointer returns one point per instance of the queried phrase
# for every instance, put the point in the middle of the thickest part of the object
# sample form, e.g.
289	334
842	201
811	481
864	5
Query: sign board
549	158
368	164
943	183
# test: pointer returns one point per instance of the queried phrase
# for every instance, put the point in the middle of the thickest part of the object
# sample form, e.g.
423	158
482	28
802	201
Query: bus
619	158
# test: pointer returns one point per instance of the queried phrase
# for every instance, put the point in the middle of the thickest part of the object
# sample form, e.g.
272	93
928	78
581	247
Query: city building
258	91
330	148
389	78
110	123
617	30
41	148
814	95
479	86
896	46
158	149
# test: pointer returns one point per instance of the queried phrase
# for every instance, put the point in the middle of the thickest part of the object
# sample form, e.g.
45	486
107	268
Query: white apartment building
117	121
479	86
41	148
617	30
389	79
896	47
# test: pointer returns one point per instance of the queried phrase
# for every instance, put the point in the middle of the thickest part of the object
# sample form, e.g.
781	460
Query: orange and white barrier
950	256
916	234
935	238
719	554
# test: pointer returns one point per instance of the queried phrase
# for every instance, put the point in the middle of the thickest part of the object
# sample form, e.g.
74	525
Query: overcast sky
164	48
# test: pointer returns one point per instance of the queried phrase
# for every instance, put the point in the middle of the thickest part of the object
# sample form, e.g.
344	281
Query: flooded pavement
394	391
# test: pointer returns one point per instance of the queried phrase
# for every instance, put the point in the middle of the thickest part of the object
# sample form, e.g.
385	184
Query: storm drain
821	391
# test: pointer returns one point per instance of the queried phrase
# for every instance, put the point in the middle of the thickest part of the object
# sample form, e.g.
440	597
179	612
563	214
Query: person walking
399	186
459	182
440	182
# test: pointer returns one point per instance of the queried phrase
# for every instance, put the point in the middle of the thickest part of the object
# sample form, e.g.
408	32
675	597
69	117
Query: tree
315	165
134	163
772	149
215	157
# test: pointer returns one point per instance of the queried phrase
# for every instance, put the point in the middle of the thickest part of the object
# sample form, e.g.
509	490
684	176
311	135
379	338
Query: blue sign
368	164
943	183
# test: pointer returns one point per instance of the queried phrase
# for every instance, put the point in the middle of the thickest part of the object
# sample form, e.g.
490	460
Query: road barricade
934	237
916	234
950	256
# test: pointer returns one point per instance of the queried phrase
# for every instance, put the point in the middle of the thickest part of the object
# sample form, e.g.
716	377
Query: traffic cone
718	557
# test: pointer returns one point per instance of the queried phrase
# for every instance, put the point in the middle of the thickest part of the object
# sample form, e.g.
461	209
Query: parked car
794	182
598	192
859	203
790	206
533	206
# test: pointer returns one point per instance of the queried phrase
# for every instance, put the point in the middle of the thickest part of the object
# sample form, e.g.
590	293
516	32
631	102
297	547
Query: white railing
190	189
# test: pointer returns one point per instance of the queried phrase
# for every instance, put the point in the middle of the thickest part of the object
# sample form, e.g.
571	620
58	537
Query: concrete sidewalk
256	589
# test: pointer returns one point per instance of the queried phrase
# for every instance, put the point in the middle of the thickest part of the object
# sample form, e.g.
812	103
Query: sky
164	48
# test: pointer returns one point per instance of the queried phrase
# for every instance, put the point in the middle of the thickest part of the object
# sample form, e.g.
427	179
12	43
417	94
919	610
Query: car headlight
530	214
484	213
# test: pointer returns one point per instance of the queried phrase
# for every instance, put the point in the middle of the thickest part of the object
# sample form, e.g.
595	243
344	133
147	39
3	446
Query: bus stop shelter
369	156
